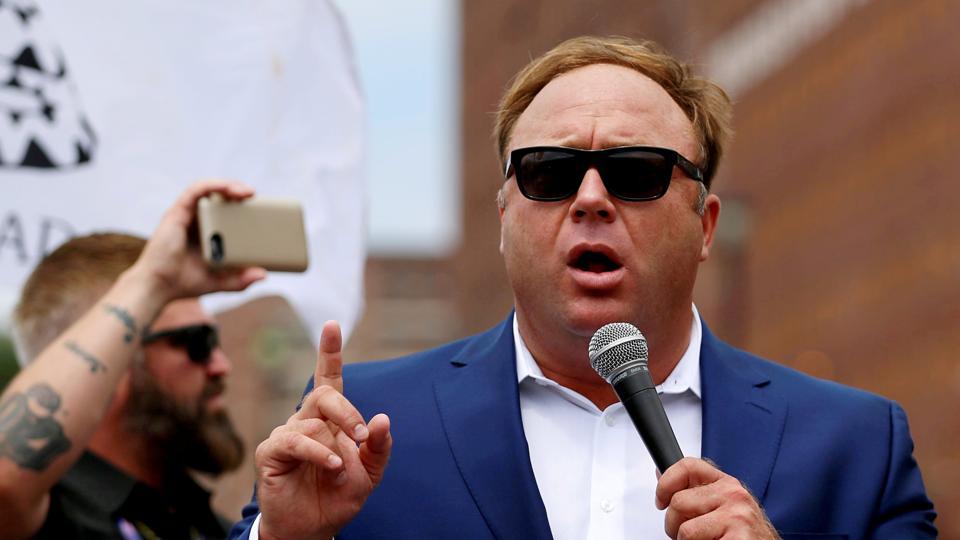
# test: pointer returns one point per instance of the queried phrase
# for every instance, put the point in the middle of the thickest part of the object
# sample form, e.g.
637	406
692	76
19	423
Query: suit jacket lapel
743	417
480	409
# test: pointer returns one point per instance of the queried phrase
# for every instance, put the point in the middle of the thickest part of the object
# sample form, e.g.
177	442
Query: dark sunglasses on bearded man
630	173
199	340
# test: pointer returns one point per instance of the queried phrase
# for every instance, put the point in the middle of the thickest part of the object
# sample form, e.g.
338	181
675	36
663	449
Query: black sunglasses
198	339
631	173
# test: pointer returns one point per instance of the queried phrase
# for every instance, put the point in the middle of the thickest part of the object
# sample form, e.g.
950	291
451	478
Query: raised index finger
329	368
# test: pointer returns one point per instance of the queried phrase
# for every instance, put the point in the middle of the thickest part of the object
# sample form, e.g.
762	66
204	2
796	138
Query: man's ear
501	207
711	214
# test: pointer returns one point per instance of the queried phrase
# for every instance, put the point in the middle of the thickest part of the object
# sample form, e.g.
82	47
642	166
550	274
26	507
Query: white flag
109	109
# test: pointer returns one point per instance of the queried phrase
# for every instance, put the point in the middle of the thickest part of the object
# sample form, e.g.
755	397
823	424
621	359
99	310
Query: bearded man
121	393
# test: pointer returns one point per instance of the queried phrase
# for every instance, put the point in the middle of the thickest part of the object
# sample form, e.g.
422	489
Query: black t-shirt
96	500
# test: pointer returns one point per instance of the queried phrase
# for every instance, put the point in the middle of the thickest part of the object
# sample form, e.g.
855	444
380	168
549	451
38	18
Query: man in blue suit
608	147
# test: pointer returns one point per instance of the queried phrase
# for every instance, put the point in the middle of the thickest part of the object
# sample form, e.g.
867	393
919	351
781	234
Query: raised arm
53	407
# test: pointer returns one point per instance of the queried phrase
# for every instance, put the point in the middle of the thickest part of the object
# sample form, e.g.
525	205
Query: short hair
67	283
706	104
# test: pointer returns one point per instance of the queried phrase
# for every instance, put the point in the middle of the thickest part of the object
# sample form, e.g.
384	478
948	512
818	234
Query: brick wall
843	159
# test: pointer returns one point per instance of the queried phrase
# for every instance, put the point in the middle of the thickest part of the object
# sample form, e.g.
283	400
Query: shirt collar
685	376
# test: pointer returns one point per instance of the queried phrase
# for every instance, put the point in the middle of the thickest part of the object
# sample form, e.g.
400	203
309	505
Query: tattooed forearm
95	365
126	318
29	434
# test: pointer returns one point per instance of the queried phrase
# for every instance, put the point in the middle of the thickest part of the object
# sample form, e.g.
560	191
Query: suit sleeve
904	510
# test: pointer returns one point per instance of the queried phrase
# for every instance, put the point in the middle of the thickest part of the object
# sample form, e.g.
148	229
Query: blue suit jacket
823	459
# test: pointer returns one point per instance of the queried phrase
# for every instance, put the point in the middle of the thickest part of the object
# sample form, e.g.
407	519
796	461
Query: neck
563	357
129	452
667	343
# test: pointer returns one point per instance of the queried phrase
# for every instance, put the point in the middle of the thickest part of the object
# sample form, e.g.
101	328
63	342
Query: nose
592	201
219	364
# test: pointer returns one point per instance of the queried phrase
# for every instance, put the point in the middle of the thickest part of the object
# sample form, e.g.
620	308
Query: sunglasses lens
201	343
629	173
636	175
549	175
198	340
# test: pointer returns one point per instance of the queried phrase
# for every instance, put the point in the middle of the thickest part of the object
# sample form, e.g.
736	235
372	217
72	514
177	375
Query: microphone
618	353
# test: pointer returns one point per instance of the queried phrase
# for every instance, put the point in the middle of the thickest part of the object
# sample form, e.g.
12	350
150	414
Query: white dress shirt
595	476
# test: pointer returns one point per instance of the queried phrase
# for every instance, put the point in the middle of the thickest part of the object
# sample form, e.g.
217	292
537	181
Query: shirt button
606	506
610	421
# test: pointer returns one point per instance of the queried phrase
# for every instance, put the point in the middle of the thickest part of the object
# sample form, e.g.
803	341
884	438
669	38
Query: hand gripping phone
253	232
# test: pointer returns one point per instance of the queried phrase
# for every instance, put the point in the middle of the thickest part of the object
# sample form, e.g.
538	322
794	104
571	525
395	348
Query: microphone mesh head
633	348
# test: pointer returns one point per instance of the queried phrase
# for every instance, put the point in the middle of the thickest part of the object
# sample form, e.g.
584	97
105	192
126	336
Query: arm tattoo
126	318
95	365
29	435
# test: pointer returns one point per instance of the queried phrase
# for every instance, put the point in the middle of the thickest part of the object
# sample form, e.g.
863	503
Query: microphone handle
639	397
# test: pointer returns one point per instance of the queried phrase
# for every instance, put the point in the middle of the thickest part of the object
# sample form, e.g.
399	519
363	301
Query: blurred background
838	248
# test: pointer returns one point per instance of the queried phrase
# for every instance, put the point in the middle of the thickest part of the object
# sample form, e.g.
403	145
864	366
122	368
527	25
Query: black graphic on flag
41	124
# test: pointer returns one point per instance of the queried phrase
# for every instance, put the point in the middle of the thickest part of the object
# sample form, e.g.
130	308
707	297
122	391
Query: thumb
375	451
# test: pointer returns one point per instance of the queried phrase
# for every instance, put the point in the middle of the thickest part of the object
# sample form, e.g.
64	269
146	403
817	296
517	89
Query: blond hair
65	284
706	105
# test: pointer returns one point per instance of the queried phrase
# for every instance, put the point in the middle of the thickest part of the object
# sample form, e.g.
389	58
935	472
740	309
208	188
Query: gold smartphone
253	232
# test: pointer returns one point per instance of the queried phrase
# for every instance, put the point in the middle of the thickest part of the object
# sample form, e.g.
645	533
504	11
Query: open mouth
594	261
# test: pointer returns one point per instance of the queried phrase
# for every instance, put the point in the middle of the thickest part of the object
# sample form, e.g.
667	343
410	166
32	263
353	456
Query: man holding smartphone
121	394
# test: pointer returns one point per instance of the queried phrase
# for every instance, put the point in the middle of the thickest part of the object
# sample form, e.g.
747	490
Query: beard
187	435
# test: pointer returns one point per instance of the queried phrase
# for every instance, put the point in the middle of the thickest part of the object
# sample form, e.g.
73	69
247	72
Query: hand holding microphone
715	504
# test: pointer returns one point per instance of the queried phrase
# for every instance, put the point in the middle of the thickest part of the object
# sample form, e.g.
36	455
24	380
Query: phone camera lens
216	247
